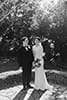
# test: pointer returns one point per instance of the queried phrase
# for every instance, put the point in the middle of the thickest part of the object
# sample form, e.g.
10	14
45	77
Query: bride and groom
35	54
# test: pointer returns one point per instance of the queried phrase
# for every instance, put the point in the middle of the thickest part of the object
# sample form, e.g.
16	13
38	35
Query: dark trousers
27	69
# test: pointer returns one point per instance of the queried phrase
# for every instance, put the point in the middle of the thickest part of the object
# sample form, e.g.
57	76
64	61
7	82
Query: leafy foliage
32	17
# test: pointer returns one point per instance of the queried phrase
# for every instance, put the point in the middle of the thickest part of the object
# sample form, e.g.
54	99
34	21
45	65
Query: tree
33	17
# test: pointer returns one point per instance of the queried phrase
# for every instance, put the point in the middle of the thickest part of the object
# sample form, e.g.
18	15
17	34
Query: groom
25	58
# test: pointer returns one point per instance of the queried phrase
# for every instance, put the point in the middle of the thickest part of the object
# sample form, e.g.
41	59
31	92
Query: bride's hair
37	38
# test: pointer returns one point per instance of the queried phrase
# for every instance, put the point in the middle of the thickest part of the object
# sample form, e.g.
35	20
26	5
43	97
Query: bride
40	77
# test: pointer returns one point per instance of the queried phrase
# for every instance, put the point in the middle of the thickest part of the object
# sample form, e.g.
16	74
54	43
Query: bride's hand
43	54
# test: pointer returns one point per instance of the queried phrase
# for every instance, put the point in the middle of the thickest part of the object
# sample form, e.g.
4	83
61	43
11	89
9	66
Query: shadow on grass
15	80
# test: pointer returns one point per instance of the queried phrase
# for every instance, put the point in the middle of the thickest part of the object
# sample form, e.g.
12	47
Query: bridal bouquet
37	63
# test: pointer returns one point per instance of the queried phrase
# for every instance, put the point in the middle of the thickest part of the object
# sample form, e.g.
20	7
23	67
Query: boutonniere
26	48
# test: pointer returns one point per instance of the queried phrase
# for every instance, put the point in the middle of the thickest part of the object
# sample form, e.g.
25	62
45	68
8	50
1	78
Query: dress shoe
25	87
28	86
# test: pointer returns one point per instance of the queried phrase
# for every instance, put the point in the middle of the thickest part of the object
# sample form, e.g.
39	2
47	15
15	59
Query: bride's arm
33	63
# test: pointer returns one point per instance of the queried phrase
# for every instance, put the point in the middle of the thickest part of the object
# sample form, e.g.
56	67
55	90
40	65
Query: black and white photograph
33	49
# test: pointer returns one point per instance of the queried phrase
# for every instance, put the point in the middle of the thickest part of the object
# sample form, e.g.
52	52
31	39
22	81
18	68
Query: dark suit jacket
25	57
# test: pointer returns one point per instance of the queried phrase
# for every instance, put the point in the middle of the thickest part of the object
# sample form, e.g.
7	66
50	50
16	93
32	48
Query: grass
10	81
14	80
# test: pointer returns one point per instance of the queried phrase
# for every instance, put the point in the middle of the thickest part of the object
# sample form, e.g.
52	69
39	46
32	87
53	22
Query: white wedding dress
40	77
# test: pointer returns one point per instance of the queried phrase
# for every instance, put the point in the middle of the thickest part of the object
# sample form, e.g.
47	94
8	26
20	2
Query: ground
11	87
